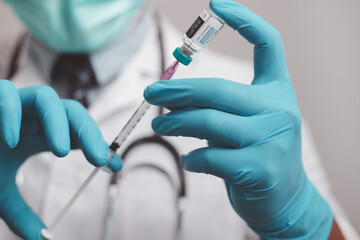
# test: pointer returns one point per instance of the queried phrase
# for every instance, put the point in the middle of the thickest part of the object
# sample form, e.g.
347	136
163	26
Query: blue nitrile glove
33	120
254	134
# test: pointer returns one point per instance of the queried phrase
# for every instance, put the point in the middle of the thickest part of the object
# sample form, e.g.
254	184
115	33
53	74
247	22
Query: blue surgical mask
76	26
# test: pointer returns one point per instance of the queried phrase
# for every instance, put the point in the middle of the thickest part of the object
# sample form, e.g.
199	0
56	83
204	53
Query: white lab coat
145	206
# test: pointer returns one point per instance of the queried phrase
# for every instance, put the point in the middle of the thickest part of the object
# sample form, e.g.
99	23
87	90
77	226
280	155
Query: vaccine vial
200	34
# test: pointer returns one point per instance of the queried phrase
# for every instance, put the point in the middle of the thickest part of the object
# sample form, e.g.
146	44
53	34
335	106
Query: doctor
102	54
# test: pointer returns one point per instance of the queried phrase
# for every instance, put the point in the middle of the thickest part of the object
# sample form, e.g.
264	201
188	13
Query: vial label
195	27
204	29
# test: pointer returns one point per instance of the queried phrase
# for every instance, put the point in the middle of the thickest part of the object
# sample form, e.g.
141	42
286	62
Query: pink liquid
170	71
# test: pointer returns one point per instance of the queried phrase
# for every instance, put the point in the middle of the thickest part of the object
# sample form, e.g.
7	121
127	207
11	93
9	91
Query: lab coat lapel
127	90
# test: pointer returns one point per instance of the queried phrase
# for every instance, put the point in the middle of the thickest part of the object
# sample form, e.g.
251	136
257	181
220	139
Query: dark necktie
74	71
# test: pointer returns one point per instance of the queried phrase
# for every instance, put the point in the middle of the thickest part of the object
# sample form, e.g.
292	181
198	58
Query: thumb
18	215
269	57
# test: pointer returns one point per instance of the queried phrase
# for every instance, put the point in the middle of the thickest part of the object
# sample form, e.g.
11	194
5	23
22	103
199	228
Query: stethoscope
180	188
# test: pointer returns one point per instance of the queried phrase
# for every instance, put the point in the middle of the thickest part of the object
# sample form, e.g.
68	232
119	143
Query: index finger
43	102
269	57
220	94
10	113
88	136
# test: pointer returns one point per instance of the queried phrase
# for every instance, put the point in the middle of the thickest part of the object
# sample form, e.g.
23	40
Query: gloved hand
254	134
33	120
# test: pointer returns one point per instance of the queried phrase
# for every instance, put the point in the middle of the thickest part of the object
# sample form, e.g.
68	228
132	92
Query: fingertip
164	125
213	4
59	144
61	150
18	215
45	234
115	163
10	113
183	159
147	93
218	5
6	84
233	13
221	6
150	92
58	140
156	90
27	225
99	156
11	130
192	161
45	102
87	134
11	137
155	124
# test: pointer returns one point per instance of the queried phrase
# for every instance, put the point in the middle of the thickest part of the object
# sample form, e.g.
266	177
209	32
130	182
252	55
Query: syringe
116	144
198	37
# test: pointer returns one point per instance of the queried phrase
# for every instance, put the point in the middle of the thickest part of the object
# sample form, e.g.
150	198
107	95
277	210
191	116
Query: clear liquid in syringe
140	112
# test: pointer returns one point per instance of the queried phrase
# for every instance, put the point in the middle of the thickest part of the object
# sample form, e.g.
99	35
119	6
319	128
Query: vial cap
181	57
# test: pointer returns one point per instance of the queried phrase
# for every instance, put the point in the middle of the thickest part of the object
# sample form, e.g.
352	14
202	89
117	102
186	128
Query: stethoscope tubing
114	191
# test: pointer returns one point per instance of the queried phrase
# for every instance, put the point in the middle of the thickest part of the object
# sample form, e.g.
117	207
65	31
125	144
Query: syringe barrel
130	125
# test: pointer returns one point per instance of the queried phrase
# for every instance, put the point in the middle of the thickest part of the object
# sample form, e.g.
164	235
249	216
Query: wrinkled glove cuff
306	216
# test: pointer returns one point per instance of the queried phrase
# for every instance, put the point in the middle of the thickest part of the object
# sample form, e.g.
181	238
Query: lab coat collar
127	89
126	92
